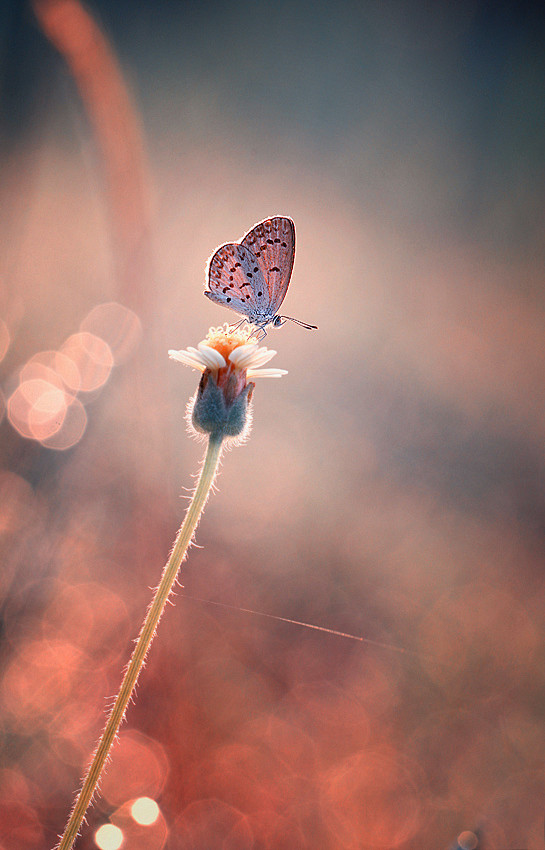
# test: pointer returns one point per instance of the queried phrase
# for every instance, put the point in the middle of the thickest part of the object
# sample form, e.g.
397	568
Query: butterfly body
252	276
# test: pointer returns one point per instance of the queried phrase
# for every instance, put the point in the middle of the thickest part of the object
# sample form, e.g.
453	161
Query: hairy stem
181	544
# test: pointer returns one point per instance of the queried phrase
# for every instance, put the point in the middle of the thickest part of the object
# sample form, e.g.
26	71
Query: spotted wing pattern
252	276
272	243
235	280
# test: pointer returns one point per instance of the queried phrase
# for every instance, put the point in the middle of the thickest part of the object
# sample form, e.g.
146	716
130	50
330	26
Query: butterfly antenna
299	322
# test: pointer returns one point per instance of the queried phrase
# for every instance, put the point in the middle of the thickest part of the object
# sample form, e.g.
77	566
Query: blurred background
392	487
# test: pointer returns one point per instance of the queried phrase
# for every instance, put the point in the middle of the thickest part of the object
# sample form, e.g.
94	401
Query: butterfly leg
260	333
237	325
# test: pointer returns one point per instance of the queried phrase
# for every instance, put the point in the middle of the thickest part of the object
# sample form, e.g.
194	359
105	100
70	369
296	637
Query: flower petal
251	359
187	359
262	356
241	353
212	358
266	373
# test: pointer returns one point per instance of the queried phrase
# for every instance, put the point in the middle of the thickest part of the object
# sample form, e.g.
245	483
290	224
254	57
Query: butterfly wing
272	243
235	280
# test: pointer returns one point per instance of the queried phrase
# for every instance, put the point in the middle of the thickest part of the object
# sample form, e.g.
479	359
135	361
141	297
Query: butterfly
252	276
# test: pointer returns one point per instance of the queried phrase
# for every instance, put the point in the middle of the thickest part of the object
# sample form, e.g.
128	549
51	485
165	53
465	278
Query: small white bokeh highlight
108	837
145	811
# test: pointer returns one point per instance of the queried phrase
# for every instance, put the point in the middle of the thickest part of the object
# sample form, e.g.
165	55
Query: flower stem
181	544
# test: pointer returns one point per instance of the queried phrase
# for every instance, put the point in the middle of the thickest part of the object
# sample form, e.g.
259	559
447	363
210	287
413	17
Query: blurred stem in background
119	139
127	183
145	638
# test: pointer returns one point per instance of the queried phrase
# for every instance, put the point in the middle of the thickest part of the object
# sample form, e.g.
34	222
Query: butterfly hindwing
235	280
272	243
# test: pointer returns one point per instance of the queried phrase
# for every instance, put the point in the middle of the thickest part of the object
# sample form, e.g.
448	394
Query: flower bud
221	404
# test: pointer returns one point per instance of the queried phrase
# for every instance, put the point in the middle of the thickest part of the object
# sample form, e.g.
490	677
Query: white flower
229	349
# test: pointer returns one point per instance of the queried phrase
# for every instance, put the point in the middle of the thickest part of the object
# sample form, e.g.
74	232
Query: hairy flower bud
222	409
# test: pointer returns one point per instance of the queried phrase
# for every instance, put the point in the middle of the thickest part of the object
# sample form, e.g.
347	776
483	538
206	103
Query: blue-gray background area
451	89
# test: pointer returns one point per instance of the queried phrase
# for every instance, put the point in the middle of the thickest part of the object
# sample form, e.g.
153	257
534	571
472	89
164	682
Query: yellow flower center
224	339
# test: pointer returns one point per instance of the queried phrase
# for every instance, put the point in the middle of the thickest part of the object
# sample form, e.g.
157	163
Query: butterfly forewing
272	243
236	281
